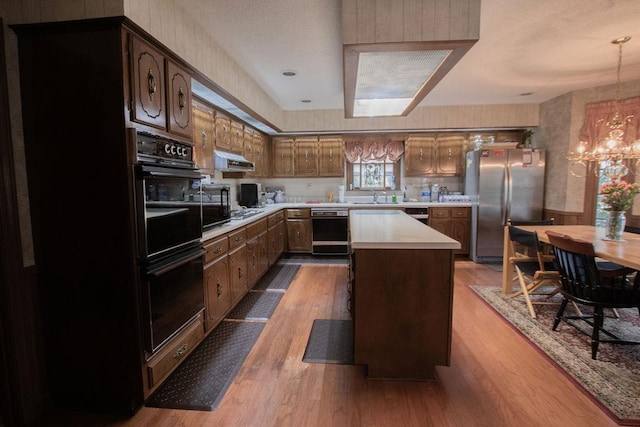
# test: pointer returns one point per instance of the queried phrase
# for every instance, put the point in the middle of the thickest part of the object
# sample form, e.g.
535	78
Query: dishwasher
329	231
421	214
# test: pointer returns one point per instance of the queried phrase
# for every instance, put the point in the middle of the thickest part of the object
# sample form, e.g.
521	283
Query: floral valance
597	115
367	150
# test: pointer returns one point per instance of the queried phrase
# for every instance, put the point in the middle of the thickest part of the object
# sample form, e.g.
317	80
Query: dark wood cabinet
306	157
179	101
203	136
223	132
331	157
216	281
147	84
419	156
283	157
454	222
435	155
298	230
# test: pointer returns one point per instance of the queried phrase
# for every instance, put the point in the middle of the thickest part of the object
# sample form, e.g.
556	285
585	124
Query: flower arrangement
618	196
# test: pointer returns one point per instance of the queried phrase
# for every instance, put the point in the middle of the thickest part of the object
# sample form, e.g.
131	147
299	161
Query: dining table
625	252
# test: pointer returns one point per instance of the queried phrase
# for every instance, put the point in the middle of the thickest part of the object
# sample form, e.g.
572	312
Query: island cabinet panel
402	311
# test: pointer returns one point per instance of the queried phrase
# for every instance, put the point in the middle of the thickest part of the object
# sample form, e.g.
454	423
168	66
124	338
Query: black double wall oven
169	224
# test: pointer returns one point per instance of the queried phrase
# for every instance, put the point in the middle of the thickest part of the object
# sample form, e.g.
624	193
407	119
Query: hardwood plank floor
495	379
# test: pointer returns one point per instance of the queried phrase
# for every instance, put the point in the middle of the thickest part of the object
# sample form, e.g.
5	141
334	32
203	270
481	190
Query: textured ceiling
548	47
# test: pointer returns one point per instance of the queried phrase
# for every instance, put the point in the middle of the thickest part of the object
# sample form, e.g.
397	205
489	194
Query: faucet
375	197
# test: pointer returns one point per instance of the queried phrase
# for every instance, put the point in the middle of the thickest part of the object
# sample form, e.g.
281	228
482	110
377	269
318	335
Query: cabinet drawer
170	357
298	213
237	238
439	212
214	248
275	218
460	212
256	228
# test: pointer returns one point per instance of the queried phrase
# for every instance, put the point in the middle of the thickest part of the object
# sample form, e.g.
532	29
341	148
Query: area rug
613	380
278	278
256	305
330	341
201	381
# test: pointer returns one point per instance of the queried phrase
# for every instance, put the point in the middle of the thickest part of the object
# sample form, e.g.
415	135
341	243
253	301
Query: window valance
597	115
367	150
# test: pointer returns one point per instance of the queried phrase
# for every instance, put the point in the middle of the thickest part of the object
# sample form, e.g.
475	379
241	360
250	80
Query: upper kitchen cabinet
160	100
283	155
203	136
435	155
450	151
255	150
223	132
179	102
331	157
237	137
419	152
306	156
147	85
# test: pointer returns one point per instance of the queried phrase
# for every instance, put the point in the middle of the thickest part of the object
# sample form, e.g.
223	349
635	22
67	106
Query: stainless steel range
330	231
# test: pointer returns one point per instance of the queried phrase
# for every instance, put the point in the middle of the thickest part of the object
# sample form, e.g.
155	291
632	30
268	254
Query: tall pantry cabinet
77	88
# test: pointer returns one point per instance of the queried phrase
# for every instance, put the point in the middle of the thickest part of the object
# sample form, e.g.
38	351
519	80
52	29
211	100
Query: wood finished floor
495	379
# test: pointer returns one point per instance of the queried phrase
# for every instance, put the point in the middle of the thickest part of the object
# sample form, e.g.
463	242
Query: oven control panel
329	212
157	149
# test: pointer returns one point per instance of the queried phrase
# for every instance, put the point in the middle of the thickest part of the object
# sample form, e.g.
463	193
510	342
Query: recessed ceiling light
289	73
306	101
526	93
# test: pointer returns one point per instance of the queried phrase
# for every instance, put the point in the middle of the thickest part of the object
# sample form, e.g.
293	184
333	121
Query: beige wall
560	121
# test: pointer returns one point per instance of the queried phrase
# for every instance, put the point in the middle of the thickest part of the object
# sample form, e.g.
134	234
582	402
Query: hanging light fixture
610	153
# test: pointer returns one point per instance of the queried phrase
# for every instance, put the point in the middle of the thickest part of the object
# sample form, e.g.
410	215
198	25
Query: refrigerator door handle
506	207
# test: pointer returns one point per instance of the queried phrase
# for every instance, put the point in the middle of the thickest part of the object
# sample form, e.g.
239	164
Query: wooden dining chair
535	271
584	283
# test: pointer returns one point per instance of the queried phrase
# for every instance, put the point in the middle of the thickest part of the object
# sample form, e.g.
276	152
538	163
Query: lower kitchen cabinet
454	222
217	291
238	273
275	237
299	230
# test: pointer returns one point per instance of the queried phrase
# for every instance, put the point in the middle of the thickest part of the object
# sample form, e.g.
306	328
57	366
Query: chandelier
610	153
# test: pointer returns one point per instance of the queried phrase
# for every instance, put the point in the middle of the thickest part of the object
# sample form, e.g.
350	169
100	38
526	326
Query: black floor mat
203	378
330	341
256	305
279	277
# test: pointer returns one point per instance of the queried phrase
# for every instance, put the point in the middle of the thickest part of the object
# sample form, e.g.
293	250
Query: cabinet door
419	156
450	156
263	254
148	85
260	155
253	254
179	105
306	157
283	157
238	273
331	157
217	291
299	235
281	238
441	225
223	132
203	136
460	231
237	137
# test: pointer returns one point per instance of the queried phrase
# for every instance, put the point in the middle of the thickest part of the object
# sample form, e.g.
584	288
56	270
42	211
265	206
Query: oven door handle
148	170
159	271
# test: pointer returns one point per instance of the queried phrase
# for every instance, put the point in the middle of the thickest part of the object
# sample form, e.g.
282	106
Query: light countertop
273	208
394	229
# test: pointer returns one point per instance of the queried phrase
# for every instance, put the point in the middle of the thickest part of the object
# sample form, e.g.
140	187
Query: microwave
216	207
250	195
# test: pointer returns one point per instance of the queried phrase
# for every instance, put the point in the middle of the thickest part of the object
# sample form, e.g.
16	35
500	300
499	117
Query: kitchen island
402	294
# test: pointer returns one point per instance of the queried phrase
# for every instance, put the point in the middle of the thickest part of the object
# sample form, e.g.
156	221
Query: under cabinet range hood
230	162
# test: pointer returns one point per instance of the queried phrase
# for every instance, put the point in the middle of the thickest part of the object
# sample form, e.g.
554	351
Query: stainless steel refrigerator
506	183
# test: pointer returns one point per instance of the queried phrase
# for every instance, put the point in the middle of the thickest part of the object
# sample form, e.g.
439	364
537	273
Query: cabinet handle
331	155
449	154
151	83
181	99
204	139
218	249
219	289
180	351
421	153
239	272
